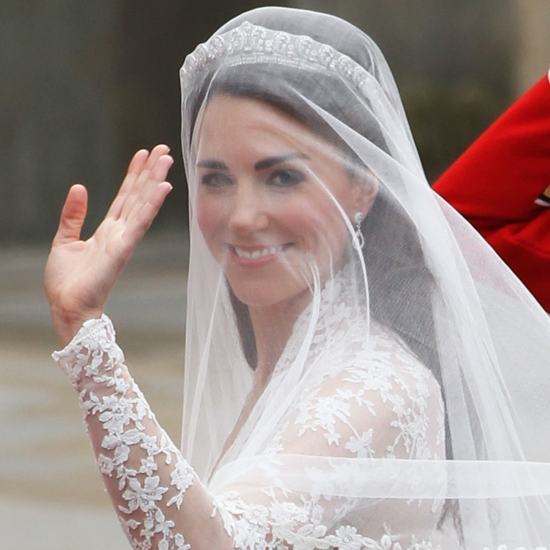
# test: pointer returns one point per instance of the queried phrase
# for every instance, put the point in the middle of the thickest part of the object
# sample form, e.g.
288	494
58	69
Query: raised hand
80	274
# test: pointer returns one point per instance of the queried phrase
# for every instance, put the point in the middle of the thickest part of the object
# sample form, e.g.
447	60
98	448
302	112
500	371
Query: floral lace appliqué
356	393
131	450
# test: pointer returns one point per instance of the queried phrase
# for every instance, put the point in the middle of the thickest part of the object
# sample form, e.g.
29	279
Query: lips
257	253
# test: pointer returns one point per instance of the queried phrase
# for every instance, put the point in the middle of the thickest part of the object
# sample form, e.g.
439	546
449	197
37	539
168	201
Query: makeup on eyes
219	172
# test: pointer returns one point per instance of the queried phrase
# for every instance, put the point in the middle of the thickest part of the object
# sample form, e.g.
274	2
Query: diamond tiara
248	44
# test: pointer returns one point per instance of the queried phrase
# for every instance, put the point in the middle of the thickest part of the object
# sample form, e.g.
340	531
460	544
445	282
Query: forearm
159	500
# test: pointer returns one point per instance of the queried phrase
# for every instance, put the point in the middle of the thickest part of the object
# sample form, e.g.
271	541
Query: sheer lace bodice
377	403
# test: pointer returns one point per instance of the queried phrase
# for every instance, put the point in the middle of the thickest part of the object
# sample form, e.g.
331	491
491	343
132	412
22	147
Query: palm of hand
80	274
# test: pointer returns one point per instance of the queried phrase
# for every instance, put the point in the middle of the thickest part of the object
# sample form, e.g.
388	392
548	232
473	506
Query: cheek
299	219
319	225
211	218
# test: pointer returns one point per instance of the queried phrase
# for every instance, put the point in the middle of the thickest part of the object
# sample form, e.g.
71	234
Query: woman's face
267	196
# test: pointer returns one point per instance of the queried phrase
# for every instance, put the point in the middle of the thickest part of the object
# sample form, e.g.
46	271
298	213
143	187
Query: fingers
145	171
72	215
144	187
142	193
137	203
134	170
142	219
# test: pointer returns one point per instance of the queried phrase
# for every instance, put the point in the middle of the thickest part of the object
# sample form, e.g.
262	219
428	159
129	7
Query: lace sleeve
158	498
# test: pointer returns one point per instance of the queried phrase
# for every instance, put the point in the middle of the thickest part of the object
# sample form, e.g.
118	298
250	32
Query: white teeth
255	254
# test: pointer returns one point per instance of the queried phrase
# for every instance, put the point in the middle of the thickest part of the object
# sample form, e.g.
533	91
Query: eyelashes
286	178
281	178
216	180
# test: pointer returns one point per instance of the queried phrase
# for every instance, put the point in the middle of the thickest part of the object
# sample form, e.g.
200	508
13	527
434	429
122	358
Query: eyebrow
263	164
272	161
212	164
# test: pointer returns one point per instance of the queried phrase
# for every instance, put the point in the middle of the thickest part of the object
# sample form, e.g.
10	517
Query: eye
285	178
216	179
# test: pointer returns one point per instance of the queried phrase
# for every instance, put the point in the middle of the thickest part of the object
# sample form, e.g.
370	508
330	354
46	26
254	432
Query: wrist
92	355
67	323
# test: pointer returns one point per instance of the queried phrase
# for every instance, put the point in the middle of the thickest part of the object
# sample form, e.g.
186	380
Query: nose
248	212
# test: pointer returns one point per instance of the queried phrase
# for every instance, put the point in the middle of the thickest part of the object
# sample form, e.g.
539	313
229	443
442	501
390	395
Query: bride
361	370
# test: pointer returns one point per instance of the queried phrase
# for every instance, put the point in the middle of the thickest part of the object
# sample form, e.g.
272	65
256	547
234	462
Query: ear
364	192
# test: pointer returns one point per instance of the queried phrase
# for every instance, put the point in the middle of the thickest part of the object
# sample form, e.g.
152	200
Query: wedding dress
407	408
367	398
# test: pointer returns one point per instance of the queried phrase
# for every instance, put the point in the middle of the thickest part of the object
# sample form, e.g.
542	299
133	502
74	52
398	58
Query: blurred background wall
85	84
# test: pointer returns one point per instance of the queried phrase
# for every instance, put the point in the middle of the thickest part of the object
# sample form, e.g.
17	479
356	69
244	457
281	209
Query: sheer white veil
423	274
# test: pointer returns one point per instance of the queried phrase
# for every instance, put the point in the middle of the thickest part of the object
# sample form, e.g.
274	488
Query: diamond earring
358	233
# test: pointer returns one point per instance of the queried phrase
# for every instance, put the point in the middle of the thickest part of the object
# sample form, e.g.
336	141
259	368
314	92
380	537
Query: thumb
72	215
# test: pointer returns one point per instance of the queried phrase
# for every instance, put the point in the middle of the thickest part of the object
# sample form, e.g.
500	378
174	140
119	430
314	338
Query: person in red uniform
501	185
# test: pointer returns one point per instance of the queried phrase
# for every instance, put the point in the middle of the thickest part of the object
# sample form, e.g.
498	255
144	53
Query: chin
272	296
258	297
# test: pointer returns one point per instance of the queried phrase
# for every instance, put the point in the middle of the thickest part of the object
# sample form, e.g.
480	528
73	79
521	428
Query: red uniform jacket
501	185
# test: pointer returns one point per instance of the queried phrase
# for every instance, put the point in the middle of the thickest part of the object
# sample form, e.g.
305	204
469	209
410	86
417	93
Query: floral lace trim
285	525
276	527
337	314
250	43
95	365
94	343
138	454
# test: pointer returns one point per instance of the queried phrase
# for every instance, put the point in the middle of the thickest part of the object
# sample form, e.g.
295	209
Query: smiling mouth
259	252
